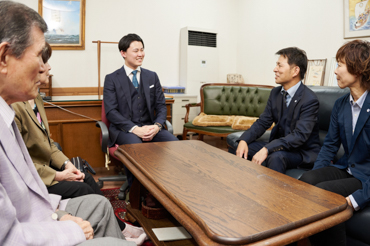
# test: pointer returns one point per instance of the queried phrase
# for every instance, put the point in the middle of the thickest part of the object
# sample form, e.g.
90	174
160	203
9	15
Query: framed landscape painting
356	18
66	23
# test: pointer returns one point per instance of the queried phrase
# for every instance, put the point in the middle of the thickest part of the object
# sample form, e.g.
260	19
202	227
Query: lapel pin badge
368	110
295	101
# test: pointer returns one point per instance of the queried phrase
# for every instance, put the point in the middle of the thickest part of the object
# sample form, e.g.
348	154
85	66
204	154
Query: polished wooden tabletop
223	199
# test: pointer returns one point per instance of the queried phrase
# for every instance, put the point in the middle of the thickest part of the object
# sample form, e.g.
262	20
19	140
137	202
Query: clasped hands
146	133
258	158
70	173
84	224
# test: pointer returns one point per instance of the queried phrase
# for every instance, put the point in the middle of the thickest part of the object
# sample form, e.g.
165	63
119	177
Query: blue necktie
285	95
134	80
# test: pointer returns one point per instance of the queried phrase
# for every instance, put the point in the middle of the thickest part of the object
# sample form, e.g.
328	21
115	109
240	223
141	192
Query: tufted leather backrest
234	99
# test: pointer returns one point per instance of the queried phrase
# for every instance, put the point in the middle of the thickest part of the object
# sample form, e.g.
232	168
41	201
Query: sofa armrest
188	106
169	127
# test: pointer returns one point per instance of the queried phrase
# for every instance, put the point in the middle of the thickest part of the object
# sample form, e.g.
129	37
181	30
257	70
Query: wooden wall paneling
76	91
83	139
77	135
55	132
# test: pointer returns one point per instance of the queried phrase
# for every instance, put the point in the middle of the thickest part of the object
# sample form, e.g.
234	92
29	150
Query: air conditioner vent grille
202	39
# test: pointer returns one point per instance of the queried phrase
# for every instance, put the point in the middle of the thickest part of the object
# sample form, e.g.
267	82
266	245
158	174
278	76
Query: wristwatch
159	125
64	165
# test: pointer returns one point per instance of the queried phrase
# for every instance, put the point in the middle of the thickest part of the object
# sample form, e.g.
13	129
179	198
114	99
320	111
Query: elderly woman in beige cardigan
56	171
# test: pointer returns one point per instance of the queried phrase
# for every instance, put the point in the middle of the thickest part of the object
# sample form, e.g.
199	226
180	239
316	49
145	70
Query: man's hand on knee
141	132
242	149
260	156
84	224
152	131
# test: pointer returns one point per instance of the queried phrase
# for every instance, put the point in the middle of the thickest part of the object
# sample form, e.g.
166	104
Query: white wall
267	26
250	32
158	23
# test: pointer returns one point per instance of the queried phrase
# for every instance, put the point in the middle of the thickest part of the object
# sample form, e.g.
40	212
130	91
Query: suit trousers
338	181
279	160
130	138
71	189
99	212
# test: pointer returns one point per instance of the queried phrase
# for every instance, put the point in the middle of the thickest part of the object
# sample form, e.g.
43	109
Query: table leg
136	192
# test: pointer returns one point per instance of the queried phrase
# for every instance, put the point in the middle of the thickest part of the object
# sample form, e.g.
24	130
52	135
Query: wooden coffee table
222	199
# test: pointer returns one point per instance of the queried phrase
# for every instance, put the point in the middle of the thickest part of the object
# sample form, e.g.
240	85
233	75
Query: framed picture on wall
315	73
332	77
356	18
66	23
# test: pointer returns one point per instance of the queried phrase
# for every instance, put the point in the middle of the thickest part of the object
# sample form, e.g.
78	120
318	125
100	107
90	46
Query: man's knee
276	161
99	200
309	178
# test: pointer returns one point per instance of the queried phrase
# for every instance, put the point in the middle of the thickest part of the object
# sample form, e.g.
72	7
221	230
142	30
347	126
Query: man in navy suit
294	140
349	126
133	100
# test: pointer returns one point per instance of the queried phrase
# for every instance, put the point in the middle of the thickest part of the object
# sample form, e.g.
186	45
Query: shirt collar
360	101
6	112
129	70
292	90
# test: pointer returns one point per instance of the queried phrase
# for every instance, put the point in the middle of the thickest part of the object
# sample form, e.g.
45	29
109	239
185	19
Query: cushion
243	122
236	122
213	120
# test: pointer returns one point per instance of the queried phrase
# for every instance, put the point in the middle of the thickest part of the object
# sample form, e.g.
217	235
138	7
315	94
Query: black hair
126	41
46	53
296	57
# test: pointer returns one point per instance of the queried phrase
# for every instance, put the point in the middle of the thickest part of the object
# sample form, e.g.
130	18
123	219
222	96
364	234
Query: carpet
119	207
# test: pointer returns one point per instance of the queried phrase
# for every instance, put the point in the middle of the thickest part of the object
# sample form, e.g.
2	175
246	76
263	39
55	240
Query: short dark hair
296	57
356	56
46	53
16	22
126	41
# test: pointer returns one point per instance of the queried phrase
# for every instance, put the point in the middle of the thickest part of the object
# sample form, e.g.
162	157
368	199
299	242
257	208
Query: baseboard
76	91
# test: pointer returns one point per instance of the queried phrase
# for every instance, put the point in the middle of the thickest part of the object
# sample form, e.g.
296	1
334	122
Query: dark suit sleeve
261	125
332	141
159	102
111	106
303	128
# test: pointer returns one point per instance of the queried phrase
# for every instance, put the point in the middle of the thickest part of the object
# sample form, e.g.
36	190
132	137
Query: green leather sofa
227	99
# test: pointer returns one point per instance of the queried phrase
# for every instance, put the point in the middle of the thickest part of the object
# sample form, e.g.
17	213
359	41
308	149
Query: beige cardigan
40	146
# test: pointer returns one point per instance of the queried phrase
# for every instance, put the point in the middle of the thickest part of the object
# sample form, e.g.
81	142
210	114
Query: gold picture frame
315	73
356	18
66	23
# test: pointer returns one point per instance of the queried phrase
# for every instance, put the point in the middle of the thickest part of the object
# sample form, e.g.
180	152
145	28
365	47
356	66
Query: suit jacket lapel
39	103
145	84
293	103
362	118
29	174
123	84
32	115
280	105
347	115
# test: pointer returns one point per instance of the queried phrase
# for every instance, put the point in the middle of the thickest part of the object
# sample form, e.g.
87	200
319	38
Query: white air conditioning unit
198	59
